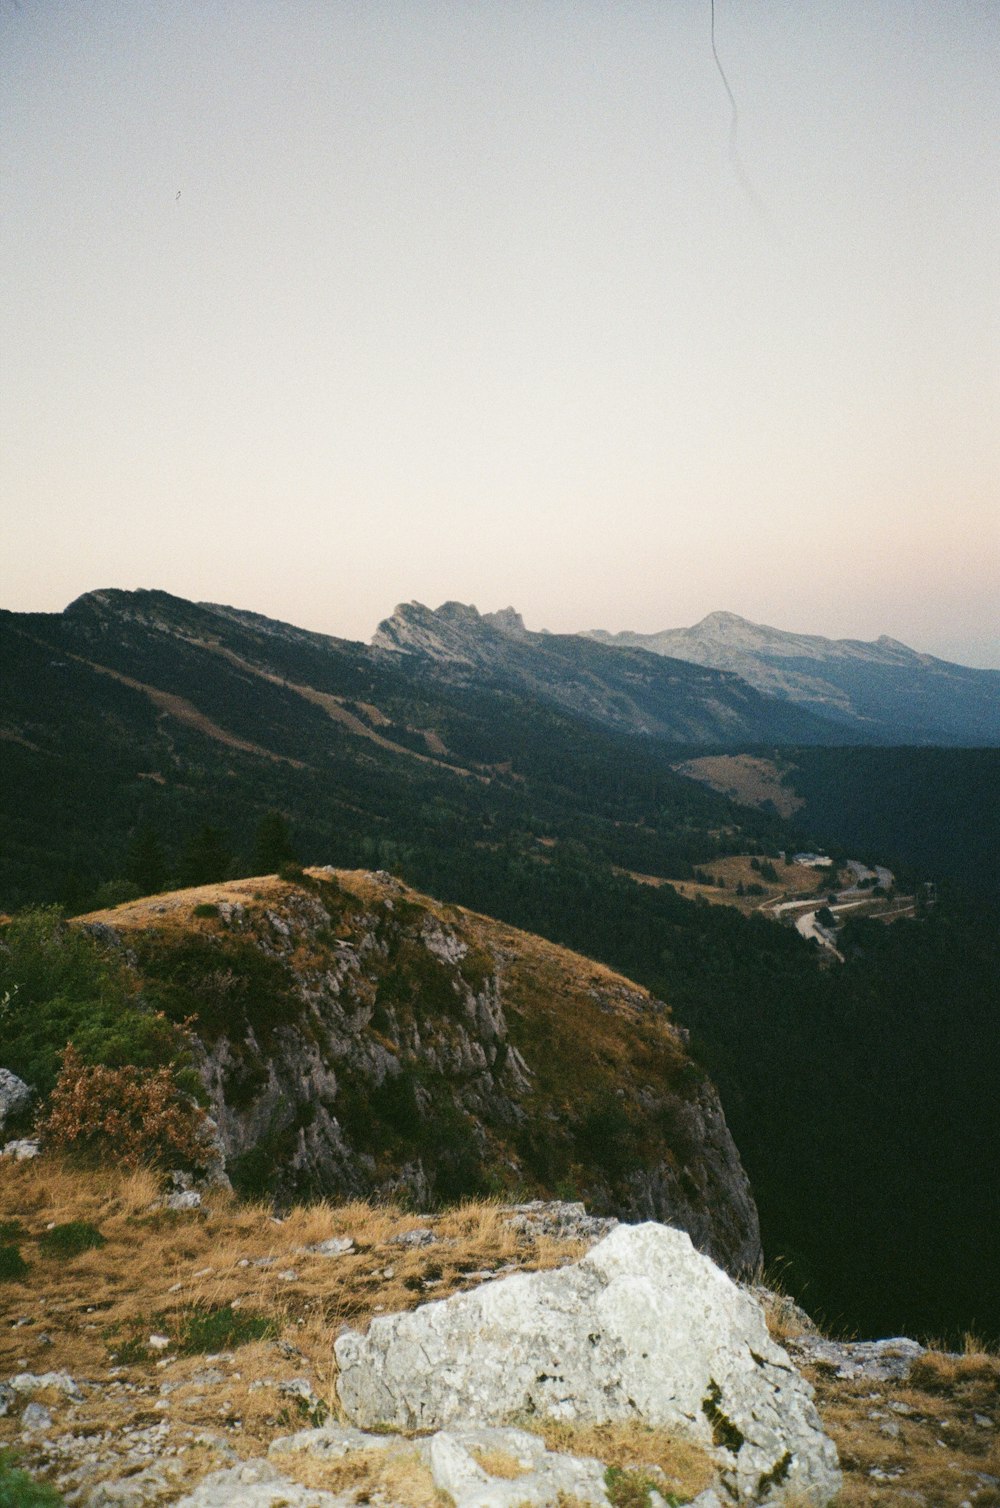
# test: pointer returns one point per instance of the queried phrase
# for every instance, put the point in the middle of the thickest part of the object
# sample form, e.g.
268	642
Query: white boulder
15	1096
643	1327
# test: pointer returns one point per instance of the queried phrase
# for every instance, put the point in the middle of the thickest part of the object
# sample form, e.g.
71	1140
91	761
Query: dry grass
735	869
400	1478
631	1446
92	1316
175	908
934	1436
500	1463
746	778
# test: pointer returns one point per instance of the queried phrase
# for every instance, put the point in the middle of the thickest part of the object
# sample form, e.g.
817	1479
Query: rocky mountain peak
507	621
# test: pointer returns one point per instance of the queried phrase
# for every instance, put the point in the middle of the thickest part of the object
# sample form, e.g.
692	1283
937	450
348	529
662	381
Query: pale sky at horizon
314	307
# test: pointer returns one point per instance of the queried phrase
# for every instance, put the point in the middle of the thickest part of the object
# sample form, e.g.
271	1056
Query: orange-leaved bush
139	1115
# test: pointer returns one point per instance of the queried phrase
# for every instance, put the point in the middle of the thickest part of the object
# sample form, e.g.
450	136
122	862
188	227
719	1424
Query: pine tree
272	845
206	858
146	863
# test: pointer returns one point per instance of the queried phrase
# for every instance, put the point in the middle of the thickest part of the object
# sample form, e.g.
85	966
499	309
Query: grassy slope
92	1316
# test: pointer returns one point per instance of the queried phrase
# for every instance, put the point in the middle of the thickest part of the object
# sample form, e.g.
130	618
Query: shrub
227	983
60	987
18	1490
207	1330
137	1115
206	908
13	1267
11	1230
70	1239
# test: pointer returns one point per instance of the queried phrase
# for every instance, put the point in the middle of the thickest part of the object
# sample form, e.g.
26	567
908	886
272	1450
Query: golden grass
399	1478
747	778
500	1463
158	1267
632	1445
932	1436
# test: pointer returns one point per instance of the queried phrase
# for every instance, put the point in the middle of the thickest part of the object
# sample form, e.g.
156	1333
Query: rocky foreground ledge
642	1328
486	1357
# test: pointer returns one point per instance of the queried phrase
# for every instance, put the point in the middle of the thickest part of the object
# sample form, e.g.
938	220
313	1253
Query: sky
316	306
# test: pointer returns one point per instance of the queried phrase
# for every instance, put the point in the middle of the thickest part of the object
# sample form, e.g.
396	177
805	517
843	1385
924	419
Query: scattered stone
35	1418
301	1388
414	1239
330	1442
257	1484
187	1199
159	1342
136	1491
566	1221
547	1476
15	1096
643	1327
34	1382
22	1150
334	1246
7	1396
864	1360
288	1275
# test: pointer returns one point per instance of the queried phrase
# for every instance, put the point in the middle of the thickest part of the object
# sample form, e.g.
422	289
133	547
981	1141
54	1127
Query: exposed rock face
15	1096
357	1039
643	1327
622	687
883	686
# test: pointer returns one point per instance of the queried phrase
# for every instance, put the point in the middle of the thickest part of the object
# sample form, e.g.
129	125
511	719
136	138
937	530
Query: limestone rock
258	1484
35	1418
15	1096
866	1360
565	1221
333	1246
185	1199
643	1327
454	1459
546	1476
36	1382
22	1150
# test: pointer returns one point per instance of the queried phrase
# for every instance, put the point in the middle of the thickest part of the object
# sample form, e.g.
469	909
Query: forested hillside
148	742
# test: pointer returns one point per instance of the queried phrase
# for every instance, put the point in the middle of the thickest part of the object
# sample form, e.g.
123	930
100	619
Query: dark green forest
863	1097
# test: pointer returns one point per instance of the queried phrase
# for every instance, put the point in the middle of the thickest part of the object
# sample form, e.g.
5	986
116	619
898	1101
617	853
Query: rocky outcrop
15	1097
627	689
883	688
642	1328
355	1038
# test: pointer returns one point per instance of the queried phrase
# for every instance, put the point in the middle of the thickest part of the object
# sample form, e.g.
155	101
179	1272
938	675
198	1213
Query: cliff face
357	1039
892	693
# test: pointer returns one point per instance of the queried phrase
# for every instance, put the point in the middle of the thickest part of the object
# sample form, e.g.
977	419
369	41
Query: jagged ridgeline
355	1038
136	708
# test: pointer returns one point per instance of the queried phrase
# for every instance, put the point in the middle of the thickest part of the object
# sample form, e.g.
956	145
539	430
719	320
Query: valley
528	779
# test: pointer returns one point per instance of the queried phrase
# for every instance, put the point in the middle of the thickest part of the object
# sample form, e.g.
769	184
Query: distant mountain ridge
628	690
881	689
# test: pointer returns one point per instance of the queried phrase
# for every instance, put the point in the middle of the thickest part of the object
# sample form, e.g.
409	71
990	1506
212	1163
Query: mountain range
883	690
146	742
